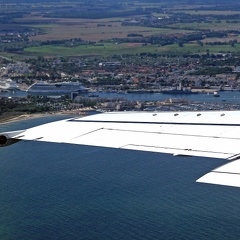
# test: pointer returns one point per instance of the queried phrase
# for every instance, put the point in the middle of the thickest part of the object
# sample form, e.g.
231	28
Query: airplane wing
207	134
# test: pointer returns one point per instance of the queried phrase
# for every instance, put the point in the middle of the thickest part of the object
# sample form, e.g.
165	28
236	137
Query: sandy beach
22	117
8	119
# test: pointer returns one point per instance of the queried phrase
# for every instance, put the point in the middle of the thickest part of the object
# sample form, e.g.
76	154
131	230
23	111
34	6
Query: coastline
18	117
9	119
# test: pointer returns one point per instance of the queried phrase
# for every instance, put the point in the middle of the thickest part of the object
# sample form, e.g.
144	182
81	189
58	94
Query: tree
180	43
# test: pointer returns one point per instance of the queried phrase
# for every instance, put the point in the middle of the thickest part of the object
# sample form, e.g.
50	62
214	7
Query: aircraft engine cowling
8	138
6	141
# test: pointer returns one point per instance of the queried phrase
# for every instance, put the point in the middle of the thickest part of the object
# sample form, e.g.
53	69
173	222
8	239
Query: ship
8	84
56	88
178	90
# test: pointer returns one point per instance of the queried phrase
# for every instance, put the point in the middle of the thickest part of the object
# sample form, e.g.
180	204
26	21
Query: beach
14	118
9	119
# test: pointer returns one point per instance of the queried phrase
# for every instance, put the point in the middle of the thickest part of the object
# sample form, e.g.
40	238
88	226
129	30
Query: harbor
112	101
224	96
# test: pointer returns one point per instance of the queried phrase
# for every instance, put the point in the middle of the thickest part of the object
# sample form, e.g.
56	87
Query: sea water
225	96
61	191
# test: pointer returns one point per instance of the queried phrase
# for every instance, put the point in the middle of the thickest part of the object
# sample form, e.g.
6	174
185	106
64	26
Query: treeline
162	40
66	42
231	42
9	16
11	106
15	44
93	14
181	39
212	71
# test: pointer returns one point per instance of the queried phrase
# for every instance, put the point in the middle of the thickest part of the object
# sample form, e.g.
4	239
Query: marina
224	96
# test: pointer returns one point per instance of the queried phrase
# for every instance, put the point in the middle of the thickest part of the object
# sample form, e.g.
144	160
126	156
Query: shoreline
21	117
18	117
24	117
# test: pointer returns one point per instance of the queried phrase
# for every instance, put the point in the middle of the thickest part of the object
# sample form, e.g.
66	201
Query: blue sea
60	191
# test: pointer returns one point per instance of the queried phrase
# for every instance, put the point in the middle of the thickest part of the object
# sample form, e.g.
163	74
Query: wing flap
212	134
158	142
228	175
177	152
177	140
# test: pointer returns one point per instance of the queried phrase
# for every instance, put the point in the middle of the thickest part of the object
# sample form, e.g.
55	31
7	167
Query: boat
58	88
216	94
178	90
8	84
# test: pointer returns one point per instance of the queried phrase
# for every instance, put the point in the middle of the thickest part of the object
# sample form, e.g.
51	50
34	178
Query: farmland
110	49
91	30
211	25
104	29
90	50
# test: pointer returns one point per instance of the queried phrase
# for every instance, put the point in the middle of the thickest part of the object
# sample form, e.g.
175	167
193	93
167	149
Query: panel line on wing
164	133
234	157
171	148
96	130
154	122
226	172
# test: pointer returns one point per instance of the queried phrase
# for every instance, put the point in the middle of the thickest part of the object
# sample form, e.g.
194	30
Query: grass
85	50
193	48
119	49
215	26
9	56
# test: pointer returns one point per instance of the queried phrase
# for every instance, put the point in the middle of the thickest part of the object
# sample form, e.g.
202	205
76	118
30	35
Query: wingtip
221	178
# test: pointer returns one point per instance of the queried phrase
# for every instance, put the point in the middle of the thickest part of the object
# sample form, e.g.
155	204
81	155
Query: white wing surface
206	134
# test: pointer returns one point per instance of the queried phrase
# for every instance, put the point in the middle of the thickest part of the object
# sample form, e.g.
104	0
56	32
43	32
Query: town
197	53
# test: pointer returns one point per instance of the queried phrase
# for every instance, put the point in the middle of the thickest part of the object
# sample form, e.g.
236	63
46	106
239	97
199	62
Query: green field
195	48
214	25
87	50
120	49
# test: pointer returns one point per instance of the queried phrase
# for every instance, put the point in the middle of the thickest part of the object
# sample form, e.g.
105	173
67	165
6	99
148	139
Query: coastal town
177	76
175	52
144	72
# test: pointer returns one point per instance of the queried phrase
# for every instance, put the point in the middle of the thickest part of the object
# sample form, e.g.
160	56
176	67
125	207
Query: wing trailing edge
206	134
228	175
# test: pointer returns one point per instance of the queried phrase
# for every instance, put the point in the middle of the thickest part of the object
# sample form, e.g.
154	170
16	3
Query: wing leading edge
205	134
